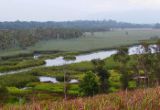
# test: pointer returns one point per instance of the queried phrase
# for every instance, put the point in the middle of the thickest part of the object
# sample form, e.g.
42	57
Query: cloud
146	3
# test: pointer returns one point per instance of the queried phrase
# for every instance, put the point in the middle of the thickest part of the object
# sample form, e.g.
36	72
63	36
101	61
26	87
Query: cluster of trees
96	81
6	39
149	64
122	57
28	37
145	69
142	68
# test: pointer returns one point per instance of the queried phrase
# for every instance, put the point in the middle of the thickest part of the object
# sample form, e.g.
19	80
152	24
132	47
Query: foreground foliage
141	99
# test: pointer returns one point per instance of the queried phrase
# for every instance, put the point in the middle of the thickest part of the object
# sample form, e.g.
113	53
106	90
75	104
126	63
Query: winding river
59	61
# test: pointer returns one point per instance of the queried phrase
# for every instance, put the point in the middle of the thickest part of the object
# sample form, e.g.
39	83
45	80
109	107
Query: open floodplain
91	41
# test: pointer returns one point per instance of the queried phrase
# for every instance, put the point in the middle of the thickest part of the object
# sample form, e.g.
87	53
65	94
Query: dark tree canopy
28	37
89	85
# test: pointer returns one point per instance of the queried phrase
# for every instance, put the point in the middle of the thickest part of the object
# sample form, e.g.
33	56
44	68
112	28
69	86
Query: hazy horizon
134	11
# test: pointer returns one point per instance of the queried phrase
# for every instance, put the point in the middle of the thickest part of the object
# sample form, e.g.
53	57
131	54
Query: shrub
3	93
89	85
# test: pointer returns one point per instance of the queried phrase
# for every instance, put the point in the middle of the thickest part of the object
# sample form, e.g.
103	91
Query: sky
135	11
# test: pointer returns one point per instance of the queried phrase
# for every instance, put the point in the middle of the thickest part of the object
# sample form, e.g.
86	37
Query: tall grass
141	99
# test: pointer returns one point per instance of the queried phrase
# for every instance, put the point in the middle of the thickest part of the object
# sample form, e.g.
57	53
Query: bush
89	85
3	93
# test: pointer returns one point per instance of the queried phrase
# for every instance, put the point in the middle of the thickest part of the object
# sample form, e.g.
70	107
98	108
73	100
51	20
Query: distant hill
157	26
82	25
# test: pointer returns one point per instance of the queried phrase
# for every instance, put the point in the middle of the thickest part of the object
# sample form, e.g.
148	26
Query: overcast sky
139	11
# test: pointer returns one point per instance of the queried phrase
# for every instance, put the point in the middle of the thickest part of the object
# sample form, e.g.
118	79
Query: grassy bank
17	80
16	64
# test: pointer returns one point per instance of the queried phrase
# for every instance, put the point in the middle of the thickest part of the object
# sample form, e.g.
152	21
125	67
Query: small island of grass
69	57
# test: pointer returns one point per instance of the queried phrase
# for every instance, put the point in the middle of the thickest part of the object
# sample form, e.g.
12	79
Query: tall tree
3	94
103	74
122	57
146	61
156	62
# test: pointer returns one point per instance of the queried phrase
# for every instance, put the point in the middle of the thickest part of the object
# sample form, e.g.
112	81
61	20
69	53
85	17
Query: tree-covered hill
84	25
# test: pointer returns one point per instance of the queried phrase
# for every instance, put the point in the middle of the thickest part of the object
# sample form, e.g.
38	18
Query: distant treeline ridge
84	25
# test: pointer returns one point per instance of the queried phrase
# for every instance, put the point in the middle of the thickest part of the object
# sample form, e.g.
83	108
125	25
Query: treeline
157	26
28	37
81	25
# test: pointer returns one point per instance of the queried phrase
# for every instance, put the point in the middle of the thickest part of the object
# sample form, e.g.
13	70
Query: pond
48	79
54	80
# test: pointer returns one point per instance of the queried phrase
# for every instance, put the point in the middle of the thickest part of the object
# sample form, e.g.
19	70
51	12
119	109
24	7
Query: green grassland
91	41
98	40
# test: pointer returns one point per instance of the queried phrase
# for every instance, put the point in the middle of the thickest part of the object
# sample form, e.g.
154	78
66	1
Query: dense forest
27	37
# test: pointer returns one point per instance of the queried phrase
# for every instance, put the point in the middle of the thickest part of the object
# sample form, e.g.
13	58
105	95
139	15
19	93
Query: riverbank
58	60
